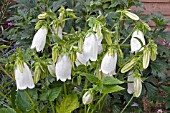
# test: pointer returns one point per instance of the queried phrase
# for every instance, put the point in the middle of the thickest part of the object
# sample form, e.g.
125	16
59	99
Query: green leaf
50	94
68	104
167	105
22	102
111	81
7	110
54	93
93	79
4	46
110	89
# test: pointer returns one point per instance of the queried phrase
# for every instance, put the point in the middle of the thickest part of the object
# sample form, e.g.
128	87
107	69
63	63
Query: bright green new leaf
109	80
112	88
68	104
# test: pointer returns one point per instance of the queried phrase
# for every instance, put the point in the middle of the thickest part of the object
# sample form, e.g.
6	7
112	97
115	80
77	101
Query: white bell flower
60	32
63	68
39	39
135	43
108	65
81	59
24	79
90	47
87	98
130	88
137	86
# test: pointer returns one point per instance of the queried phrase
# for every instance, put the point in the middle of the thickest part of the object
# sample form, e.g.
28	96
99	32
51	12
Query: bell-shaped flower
60	32
130	88
108	65
135	43
39	39
81	59
87	98
137	86
90	47
63	68
24	79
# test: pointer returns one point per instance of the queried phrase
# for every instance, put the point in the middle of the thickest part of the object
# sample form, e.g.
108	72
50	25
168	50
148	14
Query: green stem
101	107
30	99
6	73
65	89
127	105
128	36
85	107
98	102
53	111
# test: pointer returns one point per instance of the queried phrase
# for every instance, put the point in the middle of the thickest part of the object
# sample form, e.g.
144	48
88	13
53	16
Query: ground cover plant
82	56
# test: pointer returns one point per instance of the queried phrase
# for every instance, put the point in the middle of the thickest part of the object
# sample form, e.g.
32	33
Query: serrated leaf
7	110
93	79
68	104
110	89
22	102
50	94
111	81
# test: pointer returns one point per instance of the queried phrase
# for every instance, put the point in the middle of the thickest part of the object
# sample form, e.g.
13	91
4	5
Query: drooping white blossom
60	32
81	59
135	43
137	86
130	88
87	98
108	65
24	79
89	51
39	39
90	47
63	68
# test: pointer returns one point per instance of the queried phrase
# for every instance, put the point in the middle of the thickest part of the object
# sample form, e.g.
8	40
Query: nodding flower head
24	79
135	43
39	39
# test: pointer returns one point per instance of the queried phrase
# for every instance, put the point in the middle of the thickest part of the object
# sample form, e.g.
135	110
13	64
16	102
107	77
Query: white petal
24	79
60	32
28	78
63	68
39	39
81	59
90	47
108	65
135	44
130	88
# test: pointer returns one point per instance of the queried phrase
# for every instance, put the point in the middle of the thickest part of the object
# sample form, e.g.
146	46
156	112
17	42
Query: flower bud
87	98
42	16
129	65
131	15
55	53
51	69
137	87
37	74
153	52
146	58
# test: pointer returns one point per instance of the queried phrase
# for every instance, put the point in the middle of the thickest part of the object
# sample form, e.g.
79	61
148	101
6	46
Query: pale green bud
87	98
137	87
